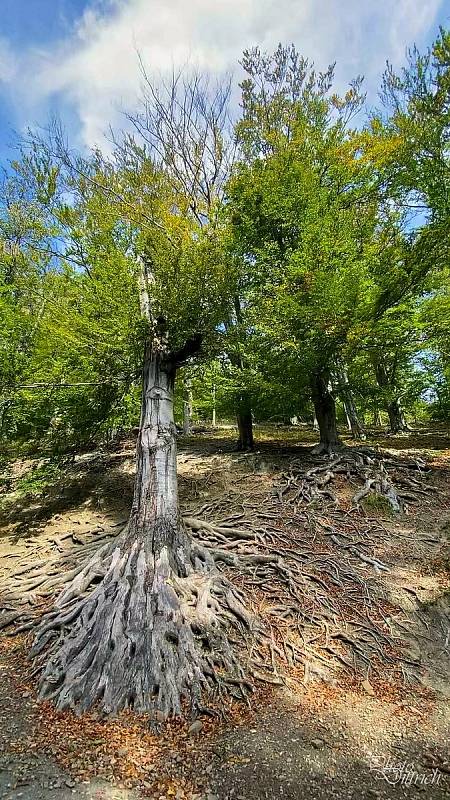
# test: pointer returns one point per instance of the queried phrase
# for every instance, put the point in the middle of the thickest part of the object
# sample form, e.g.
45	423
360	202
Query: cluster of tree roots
282	586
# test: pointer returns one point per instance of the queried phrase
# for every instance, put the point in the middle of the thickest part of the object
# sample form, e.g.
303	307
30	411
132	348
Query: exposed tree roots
132	630
382	476
288	581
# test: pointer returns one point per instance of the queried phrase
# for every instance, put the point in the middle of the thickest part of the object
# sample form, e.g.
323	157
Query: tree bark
397	419
214	405
142	625
4	405
325	412
156	456
354	424
245	428
244	410
187	407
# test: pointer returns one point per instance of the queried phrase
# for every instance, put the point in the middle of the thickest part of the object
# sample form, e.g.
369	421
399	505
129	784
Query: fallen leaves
175	763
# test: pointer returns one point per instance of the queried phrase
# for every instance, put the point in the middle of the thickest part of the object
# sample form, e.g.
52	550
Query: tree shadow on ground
375	752
94	483
418	438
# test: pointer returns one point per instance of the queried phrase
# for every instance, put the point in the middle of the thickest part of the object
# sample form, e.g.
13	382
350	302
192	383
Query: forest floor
327	731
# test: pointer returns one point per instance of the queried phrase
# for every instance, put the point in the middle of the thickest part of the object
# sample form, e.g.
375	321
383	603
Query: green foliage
419	120
330	245
304	213
38	478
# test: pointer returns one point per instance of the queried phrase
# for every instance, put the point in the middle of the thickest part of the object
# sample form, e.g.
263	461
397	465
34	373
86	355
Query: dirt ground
334	735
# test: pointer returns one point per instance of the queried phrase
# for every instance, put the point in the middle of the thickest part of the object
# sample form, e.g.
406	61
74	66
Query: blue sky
25	26
78	58
39	21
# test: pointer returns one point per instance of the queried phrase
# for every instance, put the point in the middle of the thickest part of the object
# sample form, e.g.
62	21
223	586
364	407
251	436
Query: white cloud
95	71
411	18
7	62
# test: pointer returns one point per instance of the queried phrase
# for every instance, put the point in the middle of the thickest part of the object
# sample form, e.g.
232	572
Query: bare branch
186	124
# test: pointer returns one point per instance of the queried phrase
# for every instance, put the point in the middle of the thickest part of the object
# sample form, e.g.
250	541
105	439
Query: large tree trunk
245	428
156	458
325	412
141	625
397	419
354	424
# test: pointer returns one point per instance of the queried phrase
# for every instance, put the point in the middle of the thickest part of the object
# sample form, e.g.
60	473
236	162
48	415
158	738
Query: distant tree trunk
349	424
187	406
245	426
397	419
377	418
243	407
325	411
214	405
4	405
315	423
354	424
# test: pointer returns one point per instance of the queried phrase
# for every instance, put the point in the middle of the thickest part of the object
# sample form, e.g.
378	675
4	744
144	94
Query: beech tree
23	274
435	357
346	394
304	211
414	133
145	623
411	136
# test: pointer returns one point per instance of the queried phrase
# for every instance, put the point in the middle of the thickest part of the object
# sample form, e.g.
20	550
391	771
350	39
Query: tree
291	269
408	144
434	313
346	394
23	273
145	622
187	405
414	133
86	343
187	125
304	210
